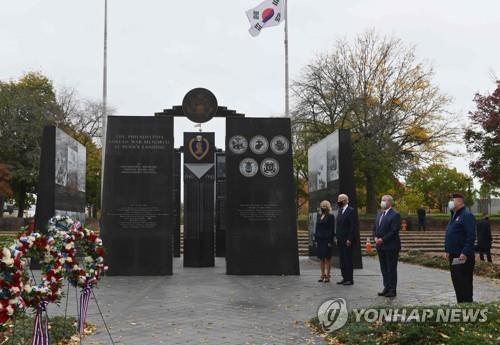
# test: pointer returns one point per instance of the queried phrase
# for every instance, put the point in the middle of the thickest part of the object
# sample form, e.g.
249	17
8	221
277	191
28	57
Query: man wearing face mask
459	247
346	227
388	243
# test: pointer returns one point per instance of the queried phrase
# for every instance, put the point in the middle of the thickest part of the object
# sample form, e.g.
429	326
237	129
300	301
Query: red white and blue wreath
12	282
83	252
37	295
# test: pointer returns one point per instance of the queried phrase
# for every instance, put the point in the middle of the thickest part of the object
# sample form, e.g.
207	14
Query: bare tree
82	116
377	88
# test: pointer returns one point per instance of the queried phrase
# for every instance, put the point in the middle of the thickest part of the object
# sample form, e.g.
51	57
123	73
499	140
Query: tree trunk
371	198
21	201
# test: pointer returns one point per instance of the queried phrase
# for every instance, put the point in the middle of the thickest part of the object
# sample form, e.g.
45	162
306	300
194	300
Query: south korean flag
268	13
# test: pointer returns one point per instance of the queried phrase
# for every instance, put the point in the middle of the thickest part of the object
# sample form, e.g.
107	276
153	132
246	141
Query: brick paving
206	306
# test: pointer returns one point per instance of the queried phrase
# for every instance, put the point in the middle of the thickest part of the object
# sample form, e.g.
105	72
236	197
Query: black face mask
340	203
323	210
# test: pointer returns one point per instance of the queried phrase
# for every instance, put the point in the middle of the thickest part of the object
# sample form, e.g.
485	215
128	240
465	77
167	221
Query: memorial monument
331	173
199	199
61	181
220	203
254	199
137	217
261	227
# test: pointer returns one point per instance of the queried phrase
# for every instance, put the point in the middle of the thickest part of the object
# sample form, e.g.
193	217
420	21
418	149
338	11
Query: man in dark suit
345	230
484	238
388	243
459	247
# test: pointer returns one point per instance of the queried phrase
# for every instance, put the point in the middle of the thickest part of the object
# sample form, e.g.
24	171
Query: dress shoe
350	282
321	280
390	294
382	293
341	282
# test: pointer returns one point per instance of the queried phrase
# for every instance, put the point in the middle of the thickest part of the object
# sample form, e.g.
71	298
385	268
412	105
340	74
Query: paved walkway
206	306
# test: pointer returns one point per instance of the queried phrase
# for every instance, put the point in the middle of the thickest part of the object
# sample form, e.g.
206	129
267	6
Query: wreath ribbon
41	327
84	305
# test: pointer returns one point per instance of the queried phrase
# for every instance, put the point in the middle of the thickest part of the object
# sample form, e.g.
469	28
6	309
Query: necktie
381	217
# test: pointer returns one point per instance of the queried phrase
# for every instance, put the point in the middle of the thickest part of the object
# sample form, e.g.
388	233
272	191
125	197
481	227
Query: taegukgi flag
268	13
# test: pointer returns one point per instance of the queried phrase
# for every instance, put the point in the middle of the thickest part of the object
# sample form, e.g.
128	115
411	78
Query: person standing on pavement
323	239
345	230
421	214
459	247
484	238
388	244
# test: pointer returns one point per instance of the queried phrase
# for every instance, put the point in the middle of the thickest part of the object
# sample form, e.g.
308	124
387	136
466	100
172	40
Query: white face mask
383	205
451	205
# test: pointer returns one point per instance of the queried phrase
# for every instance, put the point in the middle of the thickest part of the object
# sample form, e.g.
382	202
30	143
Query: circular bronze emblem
199	105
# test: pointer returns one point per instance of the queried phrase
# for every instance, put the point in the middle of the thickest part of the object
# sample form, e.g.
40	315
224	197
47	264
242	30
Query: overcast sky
158	50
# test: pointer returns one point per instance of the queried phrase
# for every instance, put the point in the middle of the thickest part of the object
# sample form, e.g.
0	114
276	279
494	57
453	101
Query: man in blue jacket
459	248
388	243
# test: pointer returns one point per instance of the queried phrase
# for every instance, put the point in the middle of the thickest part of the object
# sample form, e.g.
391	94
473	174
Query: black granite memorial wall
220	201
261	229
137	220
331	173
176	209
199	199
62	174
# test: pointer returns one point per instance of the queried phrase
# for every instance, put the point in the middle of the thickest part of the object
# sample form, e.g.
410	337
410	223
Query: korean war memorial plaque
261	229
61	183
199	199
331	173
137	217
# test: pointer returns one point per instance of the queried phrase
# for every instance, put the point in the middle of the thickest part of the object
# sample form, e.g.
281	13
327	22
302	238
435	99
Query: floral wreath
12	281
84	242
45	249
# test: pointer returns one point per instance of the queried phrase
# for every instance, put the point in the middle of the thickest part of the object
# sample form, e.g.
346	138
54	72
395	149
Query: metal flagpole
104	96
287	81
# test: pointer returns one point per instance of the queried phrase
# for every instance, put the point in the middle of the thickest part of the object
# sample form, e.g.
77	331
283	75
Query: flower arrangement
58	252
76	240
46	250
12	281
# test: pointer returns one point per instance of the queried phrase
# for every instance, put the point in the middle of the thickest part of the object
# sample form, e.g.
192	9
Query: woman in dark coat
323	237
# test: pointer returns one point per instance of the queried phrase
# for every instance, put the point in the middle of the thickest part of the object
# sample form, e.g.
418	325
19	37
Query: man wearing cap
459	247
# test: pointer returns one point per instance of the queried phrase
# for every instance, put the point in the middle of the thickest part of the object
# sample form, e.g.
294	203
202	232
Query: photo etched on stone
269	167
280	145
238	144
249	167
62	177
259	144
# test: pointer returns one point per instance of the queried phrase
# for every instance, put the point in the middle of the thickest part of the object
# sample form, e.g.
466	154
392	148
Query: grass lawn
413	333
481	268
6	241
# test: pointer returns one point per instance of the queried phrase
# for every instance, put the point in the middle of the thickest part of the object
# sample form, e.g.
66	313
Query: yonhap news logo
333	314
